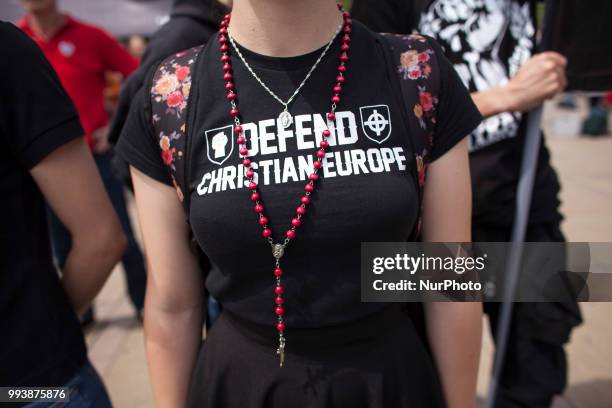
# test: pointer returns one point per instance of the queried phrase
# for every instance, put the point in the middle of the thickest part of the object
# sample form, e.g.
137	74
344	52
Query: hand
100	139
539	79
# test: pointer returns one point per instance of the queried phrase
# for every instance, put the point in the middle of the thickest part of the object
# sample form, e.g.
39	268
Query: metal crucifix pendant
285	119
281	351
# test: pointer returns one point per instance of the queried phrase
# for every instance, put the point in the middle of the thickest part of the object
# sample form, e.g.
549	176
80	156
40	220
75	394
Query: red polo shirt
81	54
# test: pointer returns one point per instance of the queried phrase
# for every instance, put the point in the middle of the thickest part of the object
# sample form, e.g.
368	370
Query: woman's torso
367	192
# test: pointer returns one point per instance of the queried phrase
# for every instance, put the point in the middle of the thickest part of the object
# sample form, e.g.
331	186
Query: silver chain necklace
284	118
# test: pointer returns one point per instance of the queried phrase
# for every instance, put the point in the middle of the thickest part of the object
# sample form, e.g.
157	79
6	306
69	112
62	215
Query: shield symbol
376	122
220	144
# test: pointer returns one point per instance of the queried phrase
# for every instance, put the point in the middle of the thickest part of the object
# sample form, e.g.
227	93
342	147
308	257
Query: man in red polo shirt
81	55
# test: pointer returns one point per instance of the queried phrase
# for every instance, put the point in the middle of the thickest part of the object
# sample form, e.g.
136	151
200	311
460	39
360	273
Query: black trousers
535	366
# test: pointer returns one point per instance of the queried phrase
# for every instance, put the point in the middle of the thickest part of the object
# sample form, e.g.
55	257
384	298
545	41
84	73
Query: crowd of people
369	138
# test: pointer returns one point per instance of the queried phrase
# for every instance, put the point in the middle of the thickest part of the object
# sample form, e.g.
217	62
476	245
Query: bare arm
454	329
539	79
70	182
173	304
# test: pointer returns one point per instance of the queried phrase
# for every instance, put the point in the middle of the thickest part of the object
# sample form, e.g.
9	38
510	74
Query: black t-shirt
41	343
367	192
487	42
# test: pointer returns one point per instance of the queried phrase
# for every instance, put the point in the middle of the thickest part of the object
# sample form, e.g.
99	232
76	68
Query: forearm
454	331
87	267
494	101
172	341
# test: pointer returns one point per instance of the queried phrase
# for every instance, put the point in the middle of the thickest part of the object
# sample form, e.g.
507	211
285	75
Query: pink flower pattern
169	95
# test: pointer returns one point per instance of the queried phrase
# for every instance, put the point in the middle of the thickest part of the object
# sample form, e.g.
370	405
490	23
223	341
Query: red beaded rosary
279	249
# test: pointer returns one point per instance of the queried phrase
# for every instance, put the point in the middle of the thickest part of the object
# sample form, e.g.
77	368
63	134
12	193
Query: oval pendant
285	119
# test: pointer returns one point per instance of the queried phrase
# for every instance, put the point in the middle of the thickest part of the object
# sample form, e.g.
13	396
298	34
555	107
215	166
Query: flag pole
524	194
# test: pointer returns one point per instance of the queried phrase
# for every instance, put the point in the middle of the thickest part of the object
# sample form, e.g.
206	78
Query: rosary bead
348	21
263	221
225	58
227	67
222	39
346	39
238	129
252	186
266	233
309	187
321	153
337	89
326	133
244	151
234	113
255	196
278	272
227	76
246	162
305	200
229	86
331	116
347	30
223	31
278	289
340	79
296	222
342	68
224	48
250	173
301	210
324	144
241	140
259	208
344	47
290	234
344	57
280	327
314	177
317	165
279	310
231	96
279	300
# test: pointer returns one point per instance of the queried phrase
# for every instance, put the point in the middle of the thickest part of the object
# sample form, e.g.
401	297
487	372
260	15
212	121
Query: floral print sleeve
170	90
419	81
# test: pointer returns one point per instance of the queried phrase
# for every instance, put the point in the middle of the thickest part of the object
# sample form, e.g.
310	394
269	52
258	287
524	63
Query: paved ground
585	168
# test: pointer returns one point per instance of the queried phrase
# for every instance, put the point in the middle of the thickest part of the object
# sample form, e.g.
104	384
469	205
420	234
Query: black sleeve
385	16
36	114
138	145
456	114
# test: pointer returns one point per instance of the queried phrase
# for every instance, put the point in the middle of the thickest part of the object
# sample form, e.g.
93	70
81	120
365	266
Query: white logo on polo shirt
66	48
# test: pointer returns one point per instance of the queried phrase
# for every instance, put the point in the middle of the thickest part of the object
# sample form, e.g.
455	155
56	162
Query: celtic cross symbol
376	122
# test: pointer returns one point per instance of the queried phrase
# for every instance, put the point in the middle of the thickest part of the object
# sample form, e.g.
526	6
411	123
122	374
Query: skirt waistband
368	329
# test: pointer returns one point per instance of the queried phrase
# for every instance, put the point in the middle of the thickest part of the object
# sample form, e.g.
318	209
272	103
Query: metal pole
521	219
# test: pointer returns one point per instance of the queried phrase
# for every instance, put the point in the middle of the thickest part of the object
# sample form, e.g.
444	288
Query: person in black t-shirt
491	45
191	23
339	351
45	158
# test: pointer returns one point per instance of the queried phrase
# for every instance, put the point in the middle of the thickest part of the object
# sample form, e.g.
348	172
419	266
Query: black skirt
377	362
